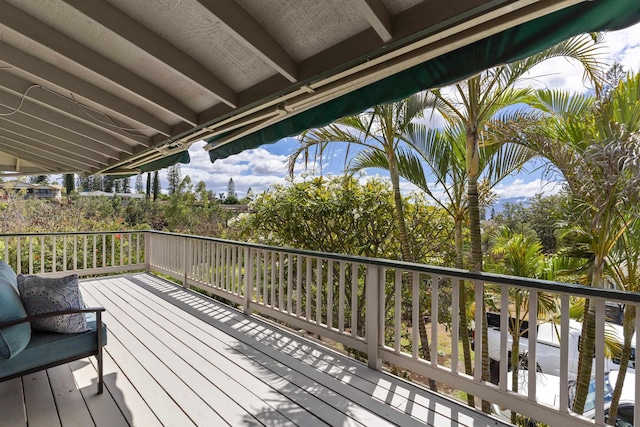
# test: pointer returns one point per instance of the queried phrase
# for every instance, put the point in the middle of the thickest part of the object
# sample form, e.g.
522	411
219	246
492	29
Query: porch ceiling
90	86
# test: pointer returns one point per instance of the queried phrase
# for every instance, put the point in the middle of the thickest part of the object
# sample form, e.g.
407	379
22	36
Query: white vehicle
548	389
548	346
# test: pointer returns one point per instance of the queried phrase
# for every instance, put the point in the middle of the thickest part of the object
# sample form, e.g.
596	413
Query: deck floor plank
215	359
70	403
176	355
12	398
389	390
157	400
125	394
236	324
353	404
39	403
333	407
103	408
176	358
160	362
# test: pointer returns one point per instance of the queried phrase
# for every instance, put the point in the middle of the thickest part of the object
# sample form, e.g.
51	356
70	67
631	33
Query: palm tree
522	256
475	102
443	152
382	130
624	269
595	146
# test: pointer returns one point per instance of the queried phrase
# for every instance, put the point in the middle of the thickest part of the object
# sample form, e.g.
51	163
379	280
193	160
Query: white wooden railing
60	254
366	305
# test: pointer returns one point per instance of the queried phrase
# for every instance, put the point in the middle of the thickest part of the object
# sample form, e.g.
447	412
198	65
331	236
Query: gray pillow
45	295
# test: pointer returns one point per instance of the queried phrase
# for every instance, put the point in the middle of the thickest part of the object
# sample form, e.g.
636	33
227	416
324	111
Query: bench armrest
51	314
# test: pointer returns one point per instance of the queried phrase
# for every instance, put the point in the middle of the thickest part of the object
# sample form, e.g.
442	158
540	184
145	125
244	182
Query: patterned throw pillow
45	295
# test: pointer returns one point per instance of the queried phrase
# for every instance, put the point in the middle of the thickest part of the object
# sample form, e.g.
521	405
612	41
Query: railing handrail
614	295
72	233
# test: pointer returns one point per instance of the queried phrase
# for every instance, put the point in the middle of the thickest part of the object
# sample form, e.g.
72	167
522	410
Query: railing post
248	277
374	315
147	251
185	247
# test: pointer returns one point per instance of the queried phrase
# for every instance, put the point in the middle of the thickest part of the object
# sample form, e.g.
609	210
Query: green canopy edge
181	157
508	46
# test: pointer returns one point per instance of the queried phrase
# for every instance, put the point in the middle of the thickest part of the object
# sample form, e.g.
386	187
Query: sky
260	168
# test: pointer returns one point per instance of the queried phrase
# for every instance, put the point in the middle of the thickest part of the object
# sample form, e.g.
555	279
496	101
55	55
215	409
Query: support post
374	325
147	251
99	355
185	250
248	277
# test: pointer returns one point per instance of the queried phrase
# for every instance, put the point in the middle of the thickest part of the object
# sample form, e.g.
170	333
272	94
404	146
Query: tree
156	185
381	131
624	269
202	195
126	185
342	215
139	184
148	185
174	178
95	183
595	147
231	189
108	184
83	183
522	256
250	194
69	183
442	151
39	179
477	101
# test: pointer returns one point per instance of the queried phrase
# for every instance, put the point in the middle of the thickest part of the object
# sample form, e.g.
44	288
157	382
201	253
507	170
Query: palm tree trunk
585	362
628	329
515	364
472	161
588	339
407	255
462	302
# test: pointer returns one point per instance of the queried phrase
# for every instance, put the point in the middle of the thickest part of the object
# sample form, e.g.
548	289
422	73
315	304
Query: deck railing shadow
310	376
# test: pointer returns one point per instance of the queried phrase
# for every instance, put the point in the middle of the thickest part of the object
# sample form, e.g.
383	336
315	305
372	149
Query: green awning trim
505	47
181	157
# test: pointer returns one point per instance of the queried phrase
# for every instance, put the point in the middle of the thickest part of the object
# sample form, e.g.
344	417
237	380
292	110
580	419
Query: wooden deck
174	358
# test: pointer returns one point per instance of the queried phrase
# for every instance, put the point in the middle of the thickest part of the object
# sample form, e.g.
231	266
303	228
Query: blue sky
266	165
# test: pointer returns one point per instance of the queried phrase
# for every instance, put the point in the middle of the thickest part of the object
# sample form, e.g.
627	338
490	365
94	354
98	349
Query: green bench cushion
49	348
14	338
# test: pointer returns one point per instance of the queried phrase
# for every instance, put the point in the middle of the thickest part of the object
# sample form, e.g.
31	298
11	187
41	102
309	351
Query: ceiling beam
25	150
135	33
66	108
378	16
27	170
52	132
40	33
91	138
61	82
49	142
253	35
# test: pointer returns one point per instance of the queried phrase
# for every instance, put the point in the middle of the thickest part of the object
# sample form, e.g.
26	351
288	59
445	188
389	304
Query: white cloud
519	188
624	46
257	168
